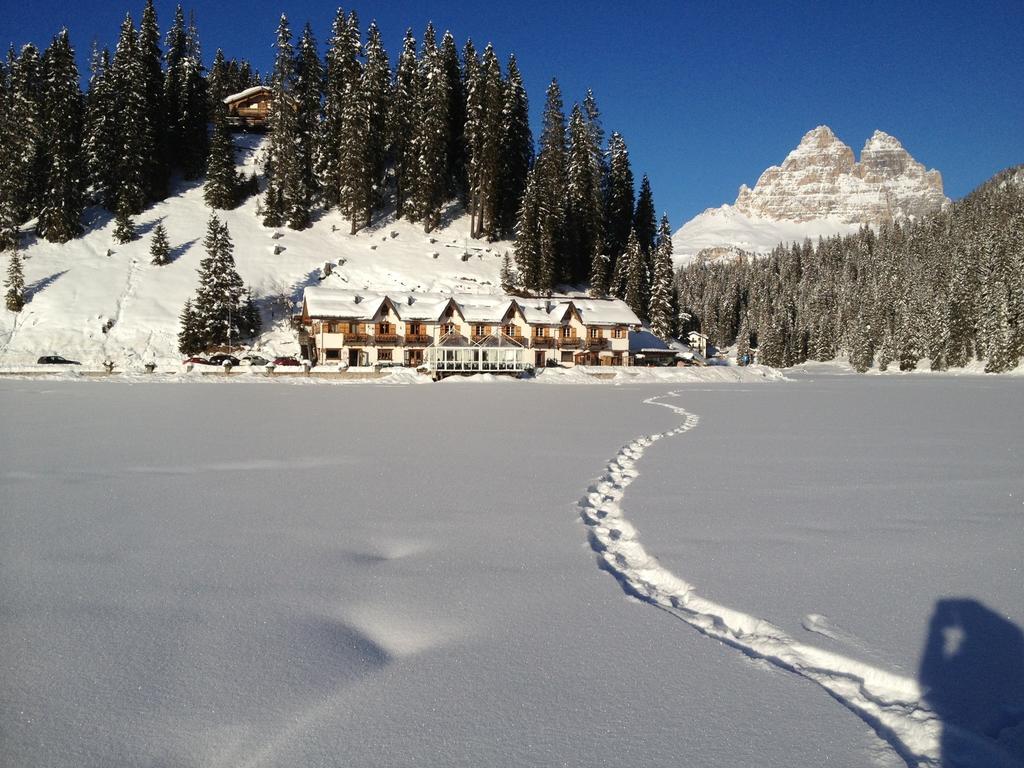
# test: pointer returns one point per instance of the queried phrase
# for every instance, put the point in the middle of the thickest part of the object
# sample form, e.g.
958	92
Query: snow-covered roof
246	94
475	308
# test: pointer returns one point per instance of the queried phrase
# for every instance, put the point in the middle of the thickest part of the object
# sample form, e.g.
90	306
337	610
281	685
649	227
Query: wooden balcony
542	342
388	339
595	345
418	338
348	339
478	337
573	342
520	340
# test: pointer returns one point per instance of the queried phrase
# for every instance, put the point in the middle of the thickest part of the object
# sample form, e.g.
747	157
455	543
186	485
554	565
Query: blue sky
707	94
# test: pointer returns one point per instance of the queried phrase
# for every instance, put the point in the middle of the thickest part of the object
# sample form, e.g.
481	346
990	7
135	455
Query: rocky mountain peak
822	179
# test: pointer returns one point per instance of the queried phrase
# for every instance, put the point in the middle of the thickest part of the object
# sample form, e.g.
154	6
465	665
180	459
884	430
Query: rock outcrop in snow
819	189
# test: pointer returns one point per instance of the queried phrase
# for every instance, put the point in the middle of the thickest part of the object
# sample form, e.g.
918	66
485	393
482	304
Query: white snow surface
272	576
725	231
76	289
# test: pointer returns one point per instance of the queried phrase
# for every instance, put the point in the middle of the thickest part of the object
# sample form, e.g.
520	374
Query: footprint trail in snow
892	704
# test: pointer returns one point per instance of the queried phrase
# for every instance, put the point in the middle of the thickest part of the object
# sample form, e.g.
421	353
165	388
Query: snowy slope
76	289
726	230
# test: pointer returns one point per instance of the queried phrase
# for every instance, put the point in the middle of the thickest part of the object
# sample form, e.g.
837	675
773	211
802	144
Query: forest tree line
359	136
948	288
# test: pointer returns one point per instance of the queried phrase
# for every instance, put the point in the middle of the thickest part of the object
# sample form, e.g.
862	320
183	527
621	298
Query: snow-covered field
421	575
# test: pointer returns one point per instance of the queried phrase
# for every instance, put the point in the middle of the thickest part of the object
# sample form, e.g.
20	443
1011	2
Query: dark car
286	361
55	360
196	361
220	359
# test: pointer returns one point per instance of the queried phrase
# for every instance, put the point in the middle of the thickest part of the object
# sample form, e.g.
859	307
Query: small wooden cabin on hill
249	108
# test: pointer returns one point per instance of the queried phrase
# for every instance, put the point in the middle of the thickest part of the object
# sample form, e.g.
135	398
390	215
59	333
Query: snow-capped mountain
819	189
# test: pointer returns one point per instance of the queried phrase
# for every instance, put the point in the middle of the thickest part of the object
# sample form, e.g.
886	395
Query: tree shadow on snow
144	229
972	670
179	250
39	285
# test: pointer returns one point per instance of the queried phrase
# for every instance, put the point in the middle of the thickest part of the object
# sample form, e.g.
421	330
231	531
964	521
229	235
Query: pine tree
585	203
159	248
633	267
219	82
223	187
365	151
300	184
455	169
516	148
662	312
100	127
175	51
190	341
528	245
644	217
222	311
62	198
22	179
506	275
341	77
159	162
124	227
432	134
618	206
15	283
402	121
550	179
192	110
133	135
282	157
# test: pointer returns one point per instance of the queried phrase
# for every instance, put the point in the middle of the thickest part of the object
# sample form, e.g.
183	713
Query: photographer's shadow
972	672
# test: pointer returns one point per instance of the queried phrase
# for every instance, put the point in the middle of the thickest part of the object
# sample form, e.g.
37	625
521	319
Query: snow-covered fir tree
100	128
455	170
14	284
62	197
402	122
301	187
432	142
22	179
190	341
134	145
516	148
124	227
633	268
585	203
159	246
222	312
282	162
618	207
158	171
341	82
223	187
193	116
663	308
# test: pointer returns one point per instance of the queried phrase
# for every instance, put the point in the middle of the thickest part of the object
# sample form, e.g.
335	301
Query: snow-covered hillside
723	231
78	289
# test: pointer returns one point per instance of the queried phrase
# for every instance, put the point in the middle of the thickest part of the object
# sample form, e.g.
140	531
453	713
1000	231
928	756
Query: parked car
220	359
196	361
255	360
286	361
55	360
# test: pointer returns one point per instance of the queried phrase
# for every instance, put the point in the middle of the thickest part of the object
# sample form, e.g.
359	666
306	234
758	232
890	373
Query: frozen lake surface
269	575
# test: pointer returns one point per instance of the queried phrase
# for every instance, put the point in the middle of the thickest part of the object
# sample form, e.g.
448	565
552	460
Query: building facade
462	332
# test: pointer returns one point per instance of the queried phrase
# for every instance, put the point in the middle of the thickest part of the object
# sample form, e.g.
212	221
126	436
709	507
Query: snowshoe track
892	704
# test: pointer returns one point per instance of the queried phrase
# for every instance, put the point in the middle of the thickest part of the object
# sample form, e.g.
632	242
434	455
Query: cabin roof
256	89
351	304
